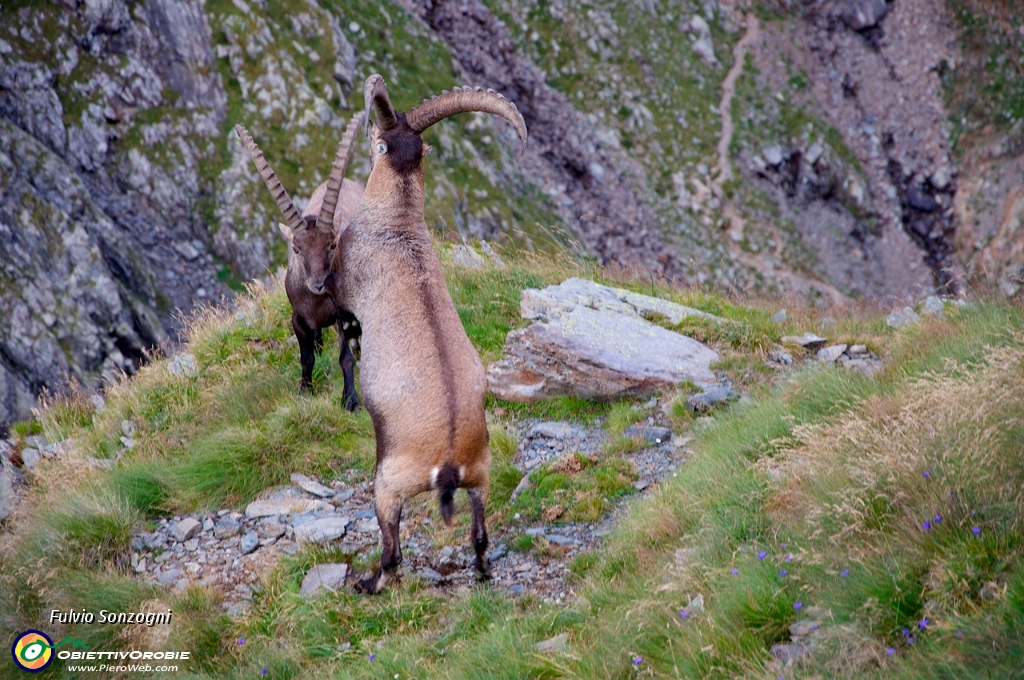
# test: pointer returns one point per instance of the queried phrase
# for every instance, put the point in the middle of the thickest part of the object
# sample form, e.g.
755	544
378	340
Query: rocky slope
859	147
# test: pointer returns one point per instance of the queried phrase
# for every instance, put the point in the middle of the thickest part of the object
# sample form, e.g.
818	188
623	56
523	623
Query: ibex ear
427	149
286	230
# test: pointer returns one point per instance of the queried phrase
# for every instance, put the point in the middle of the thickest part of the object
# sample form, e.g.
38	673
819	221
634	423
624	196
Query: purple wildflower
789	558
905	632
844	573
937	519
889	651
783	572
761	555
637	660
910	639
735	571
927	474
926	525
372	656
923	623
784	546
241	641
264	671
683	614
976	530
959	633
798	606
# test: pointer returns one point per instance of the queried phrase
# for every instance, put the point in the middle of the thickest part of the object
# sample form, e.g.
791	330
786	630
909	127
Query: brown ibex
422	380
313	258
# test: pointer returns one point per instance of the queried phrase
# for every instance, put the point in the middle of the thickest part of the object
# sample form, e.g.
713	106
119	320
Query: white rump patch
434	472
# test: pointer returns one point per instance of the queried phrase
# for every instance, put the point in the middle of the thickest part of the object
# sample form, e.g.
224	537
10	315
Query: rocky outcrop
594	341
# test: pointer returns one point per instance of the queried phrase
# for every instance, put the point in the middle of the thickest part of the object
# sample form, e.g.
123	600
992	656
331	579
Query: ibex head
313	241
396	142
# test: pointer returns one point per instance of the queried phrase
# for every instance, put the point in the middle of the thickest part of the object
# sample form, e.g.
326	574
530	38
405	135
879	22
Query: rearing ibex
312	257
422	380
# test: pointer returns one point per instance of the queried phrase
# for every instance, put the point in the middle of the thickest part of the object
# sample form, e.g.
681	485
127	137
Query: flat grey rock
30	457
288	501
186	529
329	577
555	430
558	539
321	529
170	577
538	304
273	530
556	644
184	366
789	653
863	14
779	316
831	353
807	340
311	485
598	355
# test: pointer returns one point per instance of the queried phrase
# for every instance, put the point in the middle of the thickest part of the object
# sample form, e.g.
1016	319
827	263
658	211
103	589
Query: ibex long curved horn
325	220
281	197
460	100
375	94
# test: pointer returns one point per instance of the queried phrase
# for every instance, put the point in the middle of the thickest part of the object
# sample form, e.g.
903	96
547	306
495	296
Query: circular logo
32	651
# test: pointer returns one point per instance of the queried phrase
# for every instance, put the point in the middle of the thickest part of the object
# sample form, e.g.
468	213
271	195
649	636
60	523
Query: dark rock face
98	218
604	187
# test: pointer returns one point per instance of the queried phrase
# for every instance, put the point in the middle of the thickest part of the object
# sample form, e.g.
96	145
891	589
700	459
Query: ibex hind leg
347	361
478	502
389	517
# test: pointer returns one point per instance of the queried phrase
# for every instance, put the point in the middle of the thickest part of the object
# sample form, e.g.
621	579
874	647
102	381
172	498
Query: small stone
813	153
558	539
186	529
696	604
367	526
773	155
555	430
192	544
933	305
650	434
712	396
170	577
431	575
517	589
554	645
641	484
184	366
522	486
311	485
30	457
342	496
853	350
789	653
863	14
330	577
226	528
498	552
902	317
285	506
140	568
831	353
803	628
208	524
535	531
250	541
523	567
779	316
807	340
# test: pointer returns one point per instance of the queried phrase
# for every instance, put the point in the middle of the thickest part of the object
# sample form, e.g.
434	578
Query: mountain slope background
872	157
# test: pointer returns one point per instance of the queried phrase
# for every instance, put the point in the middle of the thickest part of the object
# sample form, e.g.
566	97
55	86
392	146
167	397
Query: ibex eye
333	246
295	250
382	147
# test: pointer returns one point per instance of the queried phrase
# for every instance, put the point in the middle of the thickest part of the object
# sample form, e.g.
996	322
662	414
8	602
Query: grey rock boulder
186	529
287	501
329	577
593	341
711	397
311	485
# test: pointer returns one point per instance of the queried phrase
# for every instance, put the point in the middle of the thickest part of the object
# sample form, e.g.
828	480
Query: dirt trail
734	220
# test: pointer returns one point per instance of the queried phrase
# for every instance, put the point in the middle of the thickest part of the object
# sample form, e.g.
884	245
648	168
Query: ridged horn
325	220
460	100
281	197
375	94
